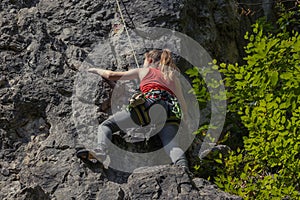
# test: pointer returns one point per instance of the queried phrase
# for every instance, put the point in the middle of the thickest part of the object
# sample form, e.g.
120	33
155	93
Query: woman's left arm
115	75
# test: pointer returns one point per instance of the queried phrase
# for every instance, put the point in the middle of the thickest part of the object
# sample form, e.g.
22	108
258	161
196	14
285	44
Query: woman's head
161	59
152	58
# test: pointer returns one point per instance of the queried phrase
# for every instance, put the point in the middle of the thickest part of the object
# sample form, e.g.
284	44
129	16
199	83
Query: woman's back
154	79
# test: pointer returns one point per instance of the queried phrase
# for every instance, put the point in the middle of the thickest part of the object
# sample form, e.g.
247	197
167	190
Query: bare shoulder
143	72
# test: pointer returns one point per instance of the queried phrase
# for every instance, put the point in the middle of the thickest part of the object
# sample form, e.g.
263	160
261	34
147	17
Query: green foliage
207	85
288	17
199	87
265	93
209	90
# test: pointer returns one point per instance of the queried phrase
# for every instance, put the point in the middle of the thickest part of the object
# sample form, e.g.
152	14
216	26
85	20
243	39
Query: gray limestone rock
44	87
171	182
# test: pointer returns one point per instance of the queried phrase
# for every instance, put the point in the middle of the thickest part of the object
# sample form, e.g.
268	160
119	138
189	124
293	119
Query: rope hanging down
129	39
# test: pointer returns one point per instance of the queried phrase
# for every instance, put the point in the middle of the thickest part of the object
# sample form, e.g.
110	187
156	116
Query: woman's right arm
115	75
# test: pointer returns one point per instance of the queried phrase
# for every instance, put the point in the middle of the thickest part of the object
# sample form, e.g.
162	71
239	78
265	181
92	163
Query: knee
102	128
108	124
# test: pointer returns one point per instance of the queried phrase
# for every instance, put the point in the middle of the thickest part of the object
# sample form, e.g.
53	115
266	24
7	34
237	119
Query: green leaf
246	36
286	76
239	76
273	77
283	119
215	67
192	72
218	161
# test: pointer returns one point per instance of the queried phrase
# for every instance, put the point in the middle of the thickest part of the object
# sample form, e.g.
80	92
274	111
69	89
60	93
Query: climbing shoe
94	156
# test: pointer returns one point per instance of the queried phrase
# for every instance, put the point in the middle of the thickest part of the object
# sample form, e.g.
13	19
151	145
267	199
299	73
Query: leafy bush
265	93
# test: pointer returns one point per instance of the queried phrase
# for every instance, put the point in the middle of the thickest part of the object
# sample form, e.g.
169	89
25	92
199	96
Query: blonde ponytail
167	65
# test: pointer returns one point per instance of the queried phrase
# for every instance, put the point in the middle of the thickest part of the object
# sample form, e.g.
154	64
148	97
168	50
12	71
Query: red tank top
154	79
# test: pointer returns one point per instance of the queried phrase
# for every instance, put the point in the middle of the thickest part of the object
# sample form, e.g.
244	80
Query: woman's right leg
119	121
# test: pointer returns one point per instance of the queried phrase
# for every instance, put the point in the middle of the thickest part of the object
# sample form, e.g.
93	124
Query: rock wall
42	43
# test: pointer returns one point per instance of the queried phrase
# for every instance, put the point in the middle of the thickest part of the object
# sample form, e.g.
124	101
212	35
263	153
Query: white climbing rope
129	39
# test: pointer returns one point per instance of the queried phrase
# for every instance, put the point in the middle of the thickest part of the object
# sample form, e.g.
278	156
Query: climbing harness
169	98
140	103
126	30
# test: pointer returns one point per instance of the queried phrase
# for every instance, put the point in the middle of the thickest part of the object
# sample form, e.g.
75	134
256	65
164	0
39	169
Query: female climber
158	85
